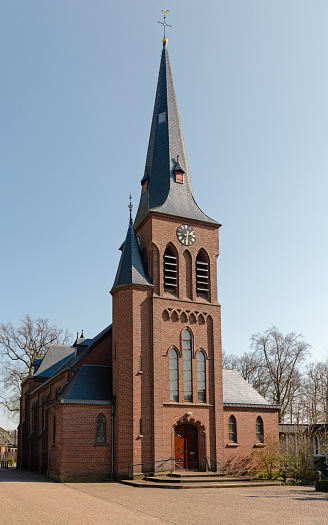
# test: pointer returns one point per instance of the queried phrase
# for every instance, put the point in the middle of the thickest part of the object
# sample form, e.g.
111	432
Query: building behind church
150	386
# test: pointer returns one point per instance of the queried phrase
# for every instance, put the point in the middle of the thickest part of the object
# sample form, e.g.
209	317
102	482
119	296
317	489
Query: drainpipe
112	440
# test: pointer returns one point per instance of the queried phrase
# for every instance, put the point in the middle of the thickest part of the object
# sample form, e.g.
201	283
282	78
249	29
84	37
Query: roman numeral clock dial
186	235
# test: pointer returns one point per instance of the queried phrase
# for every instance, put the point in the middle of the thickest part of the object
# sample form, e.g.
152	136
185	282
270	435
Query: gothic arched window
259	430
232	430
187	372
201	378
101	429
202	275
174	381
170	270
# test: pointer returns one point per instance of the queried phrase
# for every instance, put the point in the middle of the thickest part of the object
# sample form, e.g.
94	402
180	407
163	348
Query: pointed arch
201	377
187	364
165	315
174	375
259	430
203	274
174	317
171	269
232	429
183	317
154	270
188	273
192	318
201	319
210	338
101	429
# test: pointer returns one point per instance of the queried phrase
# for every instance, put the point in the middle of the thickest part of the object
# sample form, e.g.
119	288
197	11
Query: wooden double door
186	447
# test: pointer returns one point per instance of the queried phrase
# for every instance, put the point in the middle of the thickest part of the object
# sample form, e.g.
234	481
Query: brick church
150	387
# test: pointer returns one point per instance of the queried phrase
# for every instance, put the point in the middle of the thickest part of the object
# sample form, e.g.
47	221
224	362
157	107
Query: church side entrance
186	447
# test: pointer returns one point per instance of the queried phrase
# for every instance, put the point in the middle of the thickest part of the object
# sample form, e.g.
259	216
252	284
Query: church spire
162	191
130	269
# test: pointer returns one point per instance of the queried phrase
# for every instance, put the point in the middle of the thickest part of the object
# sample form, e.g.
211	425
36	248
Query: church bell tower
167	358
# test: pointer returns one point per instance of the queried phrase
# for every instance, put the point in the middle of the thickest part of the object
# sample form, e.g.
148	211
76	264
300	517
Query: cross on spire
130	208
164	24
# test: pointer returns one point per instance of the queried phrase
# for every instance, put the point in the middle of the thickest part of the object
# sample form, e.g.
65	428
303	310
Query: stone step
198	479
195	474
199	485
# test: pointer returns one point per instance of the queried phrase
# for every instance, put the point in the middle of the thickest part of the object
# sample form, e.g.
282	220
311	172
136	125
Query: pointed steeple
161	191
130	269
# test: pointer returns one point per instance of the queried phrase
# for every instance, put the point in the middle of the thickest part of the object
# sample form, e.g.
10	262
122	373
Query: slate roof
130	269
236	391
55	357
163	194
5	438
89	383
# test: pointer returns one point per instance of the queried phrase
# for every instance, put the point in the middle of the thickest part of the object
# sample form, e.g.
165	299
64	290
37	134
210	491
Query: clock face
186	235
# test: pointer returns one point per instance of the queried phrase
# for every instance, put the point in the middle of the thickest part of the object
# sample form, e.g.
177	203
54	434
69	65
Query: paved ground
24	495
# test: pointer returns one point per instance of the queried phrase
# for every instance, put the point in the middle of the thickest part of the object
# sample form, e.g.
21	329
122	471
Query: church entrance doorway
186	447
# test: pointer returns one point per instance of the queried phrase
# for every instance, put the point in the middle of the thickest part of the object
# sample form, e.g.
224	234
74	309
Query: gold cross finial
164	24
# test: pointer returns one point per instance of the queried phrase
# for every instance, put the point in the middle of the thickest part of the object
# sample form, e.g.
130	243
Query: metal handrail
176	464
212	459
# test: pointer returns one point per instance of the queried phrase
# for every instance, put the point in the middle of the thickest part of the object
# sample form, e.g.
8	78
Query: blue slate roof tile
89	383
163	194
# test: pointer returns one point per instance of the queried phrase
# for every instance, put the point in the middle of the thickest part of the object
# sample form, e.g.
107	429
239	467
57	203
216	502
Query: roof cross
164	24
130	208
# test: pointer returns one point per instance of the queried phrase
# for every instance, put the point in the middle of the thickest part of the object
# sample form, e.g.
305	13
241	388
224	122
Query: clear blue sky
77	93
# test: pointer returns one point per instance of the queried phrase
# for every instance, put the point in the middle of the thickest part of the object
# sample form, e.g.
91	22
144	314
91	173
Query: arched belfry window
259	430
201	377
232	430
170	270
187	373
202	275
101	429
174	381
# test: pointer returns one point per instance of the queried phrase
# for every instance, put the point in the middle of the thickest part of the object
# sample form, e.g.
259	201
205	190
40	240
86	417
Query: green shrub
11	462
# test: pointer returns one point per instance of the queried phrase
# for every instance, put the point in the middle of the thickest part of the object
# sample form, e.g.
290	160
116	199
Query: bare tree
283	357
251	367
18	349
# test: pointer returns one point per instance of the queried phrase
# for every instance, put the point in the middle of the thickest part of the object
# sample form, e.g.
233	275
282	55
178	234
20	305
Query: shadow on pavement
21	476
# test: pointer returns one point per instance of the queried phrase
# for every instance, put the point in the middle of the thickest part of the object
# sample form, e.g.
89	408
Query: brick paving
28	498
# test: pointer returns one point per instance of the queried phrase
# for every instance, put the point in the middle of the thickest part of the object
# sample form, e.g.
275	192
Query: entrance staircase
198	480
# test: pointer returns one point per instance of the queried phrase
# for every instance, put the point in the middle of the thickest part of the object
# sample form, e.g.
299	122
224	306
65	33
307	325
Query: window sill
101	445
259	445
140	372
187	404
140	436
232	445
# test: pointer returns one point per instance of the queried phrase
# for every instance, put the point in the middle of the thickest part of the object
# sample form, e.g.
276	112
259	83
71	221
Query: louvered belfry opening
202	275
170	271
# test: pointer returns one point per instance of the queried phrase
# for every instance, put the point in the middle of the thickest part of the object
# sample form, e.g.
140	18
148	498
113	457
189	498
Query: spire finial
164	24
130	208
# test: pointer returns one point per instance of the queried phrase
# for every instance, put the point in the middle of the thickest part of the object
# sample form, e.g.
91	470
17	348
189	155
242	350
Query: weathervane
164	24
130	207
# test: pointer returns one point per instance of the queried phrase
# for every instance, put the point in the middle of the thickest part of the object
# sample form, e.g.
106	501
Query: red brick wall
246	431
75	455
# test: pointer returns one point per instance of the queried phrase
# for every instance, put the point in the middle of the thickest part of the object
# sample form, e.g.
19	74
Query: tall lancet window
101	429
187	374
170	270
202	275
174	384
201	377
